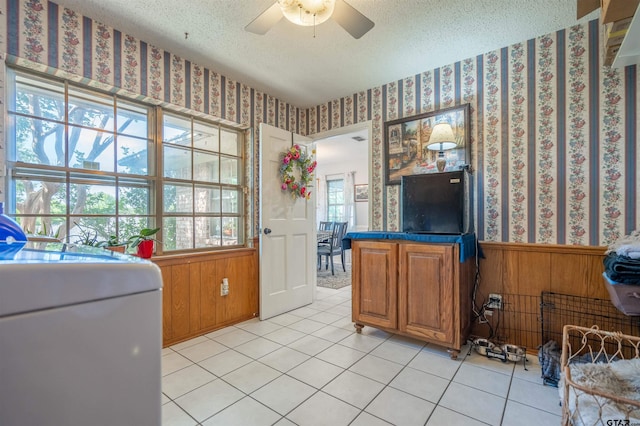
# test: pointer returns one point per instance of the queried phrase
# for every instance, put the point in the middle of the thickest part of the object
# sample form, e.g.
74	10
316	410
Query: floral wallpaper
554	138
553	132
57	40
46	37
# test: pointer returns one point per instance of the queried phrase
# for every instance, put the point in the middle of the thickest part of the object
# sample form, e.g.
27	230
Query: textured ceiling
409	37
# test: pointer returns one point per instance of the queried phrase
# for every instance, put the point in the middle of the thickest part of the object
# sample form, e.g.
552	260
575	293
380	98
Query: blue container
12	237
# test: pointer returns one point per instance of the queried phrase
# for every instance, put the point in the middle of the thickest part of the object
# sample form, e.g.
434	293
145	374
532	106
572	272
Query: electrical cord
480	313
476	280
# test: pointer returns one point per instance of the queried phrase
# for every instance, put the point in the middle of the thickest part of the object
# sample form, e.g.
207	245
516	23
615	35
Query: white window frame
85	175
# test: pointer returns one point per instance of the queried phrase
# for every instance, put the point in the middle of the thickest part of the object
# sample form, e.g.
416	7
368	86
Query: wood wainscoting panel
192	304
521	272
209	293
530	269
180	300
195	311
242	297
527	272
167	333
492	269
579	274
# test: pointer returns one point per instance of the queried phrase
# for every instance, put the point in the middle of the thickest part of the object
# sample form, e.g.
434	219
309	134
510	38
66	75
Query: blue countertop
467	241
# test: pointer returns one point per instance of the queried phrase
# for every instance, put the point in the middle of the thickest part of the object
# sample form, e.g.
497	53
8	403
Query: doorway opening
342	186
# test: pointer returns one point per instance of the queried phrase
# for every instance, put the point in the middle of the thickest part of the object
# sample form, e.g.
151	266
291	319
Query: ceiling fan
312	12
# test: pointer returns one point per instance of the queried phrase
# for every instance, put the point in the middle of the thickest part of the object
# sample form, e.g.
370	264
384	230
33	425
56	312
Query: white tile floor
309	367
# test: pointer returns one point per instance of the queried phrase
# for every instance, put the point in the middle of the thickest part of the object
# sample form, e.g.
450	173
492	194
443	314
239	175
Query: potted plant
87	236
228	228
113	244
143	242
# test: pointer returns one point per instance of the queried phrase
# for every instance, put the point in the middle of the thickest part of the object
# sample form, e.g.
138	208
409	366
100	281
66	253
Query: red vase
145	249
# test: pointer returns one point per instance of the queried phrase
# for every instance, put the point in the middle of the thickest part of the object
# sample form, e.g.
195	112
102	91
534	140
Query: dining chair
328	227
325	226
335	248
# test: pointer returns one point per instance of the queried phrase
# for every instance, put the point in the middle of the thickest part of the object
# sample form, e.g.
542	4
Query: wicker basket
583	403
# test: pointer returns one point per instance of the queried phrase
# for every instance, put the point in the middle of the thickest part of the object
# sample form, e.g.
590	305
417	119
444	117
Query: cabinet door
426	291
375	283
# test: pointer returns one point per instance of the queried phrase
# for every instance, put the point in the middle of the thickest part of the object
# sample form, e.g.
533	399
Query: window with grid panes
202	185
82	164
335	200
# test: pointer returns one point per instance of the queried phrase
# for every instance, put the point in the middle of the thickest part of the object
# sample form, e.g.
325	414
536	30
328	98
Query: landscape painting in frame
407	139
361	192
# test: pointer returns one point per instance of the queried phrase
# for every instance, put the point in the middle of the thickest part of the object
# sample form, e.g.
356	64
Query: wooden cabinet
419	290
191	300
374	284
425	296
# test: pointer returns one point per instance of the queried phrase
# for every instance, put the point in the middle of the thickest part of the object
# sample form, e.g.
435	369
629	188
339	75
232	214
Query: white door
287	226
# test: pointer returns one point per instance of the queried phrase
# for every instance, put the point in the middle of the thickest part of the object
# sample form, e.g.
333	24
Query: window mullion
193	186
124	190
158	137
66	160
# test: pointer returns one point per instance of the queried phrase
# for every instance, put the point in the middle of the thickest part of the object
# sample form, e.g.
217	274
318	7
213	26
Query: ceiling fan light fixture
307	12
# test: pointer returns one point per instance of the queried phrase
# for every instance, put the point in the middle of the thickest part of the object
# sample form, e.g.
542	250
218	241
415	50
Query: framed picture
433	142
361	192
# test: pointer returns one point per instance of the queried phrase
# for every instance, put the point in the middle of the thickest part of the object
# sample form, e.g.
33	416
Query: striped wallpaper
50	38
554	137
554	133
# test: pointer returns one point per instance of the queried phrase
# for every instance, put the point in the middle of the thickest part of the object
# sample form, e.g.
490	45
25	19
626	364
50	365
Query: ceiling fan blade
354	22
265	20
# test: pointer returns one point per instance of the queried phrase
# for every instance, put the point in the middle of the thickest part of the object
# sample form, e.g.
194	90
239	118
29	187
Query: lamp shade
307	12
442	138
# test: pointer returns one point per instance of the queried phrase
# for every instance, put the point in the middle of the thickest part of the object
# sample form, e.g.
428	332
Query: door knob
267	231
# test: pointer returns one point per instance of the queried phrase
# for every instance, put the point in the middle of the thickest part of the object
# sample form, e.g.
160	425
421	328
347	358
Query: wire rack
530	321
518	322
560	309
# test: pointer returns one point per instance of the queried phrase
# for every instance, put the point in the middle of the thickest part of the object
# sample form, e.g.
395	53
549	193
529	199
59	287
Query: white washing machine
80	338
